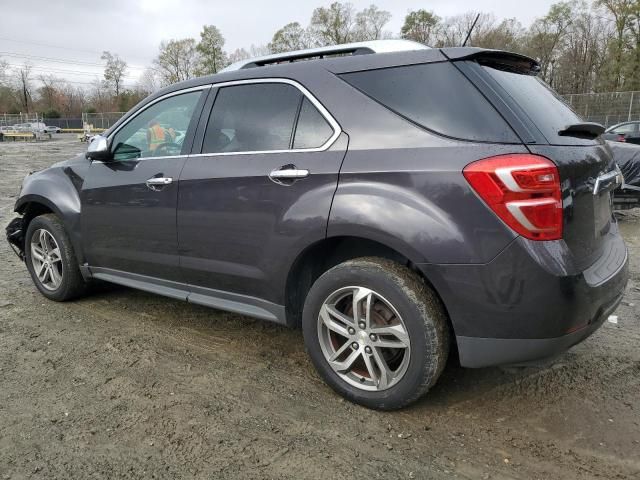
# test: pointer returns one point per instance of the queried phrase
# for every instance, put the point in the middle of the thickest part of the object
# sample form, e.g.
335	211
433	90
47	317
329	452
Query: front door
129	203
260	190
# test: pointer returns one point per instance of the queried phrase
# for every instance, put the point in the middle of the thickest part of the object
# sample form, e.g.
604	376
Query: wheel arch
32	205
325	254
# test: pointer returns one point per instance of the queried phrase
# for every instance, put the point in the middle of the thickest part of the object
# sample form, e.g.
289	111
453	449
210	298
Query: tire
70	284
399	299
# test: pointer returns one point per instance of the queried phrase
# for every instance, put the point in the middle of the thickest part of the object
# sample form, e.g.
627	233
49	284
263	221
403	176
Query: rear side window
250	118
546	109
437	97
312	130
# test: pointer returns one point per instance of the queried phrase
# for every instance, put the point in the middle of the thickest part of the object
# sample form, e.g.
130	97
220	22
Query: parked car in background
393	205
627	132
627	157
33	127
21	127
52	129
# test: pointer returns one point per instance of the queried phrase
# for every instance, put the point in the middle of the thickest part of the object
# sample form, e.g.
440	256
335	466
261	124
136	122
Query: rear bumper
476	352
530	302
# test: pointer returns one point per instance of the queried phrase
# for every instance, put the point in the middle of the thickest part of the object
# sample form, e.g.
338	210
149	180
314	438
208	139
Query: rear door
260	189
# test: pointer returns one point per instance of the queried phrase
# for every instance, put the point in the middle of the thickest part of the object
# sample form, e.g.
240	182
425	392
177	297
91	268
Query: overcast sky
134	28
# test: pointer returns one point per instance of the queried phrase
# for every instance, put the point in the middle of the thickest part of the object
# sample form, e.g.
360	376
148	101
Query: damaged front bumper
15	236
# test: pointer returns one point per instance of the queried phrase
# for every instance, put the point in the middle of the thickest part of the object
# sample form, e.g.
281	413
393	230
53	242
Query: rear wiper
585	129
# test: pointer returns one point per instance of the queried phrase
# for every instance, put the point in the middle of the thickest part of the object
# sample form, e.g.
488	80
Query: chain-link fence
606	108
101	121
9	119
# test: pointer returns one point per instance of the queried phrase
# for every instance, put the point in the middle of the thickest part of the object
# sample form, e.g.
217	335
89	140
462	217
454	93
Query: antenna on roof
471	30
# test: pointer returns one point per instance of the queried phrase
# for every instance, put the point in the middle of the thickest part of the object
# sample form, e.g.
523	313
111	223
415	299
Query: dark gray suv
394	205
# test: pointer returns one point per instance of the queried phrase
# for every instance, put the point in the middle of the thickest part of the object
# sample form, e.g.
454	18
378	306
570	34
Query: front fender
57	189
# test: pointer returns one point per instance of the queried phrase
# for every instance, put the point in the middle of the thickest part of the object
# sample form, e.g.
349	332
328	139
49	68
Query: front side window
158	131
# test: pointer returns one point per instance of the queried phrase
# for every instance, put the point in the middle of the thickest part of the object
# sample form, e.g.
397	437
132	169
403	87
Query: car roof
379	54
355	61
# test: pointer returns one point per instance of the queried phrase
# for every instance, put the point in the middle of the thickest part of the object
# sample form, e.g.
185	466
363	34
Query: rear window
546	109
437	97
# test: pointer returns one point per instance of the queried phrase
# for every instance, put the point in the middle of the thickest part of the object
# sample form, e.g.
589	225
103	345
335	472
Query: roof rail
357	48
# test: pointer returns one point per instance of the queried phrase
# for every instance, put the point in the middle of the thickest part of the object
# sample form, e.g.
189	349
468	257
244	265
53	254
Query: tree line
582	46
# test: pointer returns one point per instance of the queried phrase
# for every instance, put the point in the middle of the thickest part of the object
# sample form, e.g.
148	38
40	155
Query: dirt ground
125	384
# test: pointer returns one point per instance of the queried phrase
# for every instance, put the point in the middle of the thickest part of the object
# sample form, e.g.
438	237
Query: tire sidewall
422	338
44	222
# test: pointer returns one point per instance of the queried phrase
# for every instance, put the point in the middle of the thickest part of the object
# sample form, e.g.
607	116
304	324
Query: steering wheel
167	149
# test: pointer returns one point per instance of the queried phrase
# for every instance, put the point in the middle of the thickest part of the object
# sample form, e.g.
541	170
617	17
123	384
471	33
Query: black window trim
335	126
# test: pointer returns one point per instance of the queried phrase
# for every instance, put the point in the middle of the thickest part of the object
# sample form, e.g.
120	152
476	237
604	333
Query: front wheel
375	332
51	261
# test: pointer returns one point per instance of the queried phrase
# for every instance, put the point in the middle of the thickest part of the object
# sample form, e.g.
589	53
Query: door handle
289	174
156	183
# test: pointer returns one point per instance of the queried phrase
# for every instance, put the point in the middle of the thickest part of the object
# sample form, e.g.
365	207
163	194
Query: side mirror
98	149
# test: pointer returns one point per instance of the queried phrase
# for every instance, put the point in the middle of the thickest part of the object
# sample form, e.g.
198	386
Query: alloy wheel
46	259
363	338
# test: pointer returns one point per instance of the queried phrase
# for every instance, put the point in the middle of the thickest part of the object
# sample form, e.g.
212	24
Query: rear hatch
550	128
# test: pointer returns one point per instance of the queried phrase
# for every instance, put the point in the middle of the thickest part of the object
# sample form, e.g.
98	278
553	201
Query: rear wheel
51	261
375	332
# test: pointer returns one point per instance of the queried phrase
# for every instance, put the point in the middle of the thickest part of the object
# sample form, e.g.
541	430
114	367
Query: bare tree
114	72
290	37
369	24
259	50
4	70
48	91
148	81
420	26
238	54
454	30
212	57
333	25
176	61
24	86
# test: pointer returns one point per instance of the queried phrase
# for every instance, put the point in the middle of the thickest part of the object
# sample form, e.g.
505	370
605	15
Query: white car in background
34	127
52	129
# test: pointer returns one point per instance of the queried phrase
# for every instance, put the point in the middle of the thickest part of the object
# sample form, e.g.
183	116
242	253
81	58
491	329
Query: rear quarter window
436	97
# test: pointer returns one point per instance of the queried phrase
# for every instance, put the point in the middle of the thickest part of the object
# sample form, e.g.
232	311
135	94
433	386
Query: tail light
523	190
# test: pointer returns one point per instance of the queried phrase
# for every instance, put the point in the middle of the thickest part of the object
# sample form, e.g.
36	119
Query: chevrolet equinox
394	201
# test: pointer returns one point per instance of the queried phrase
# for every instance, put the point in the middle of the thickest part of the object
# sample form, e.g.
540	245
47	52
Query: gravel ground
124	384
